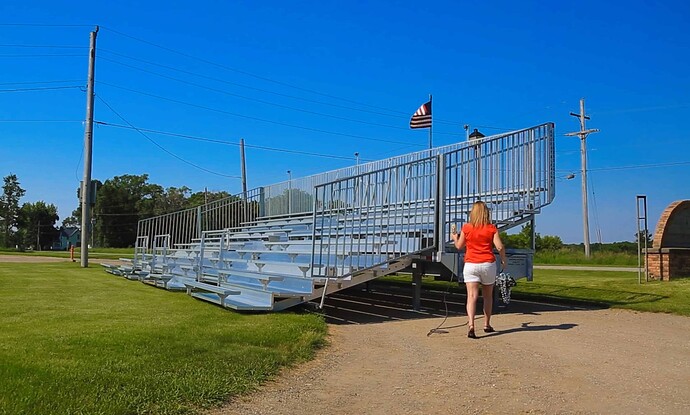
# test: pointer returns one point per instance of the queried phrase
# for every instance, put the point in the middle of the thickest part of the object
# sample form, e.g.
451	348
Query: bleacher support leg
417	288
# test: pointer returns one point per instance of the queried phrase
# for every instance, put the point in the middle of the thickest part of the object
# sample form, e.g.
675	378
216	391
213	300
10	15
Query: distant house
69	236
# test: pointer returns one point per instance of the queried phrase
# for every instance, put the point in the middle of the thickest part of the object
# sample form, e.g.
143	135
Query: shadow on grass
585	295
393	302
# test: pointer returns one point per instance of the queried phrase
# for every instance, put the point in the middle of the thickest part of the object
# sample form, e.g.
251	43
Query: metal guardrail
185	225
413	204
514	174
499	166
369	219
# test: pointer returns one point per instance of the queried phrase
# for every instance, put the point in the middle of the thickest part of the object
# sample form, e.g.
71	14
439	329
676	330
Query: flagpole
430	125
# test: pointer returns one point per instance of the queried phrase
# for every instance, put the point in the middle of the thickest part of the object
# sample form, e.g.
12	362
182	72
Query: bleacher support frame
347	226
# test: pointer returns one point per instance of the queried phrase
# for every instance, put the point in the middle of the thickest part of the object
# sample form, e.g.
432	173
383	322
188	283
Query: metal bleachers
277	246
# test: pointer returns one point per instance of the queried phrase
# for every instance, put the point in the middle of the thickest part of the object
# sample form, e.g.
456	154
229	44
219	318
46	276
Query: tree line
120	203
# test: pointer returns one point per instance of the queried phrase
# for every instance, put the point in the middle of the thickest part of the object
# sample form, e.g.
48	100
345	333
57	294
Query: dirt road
544	359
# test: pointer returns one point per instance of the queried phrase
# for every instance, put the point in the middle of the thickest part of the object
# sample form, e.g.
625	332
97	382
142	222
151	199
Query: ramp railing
369	219
514	174
375	217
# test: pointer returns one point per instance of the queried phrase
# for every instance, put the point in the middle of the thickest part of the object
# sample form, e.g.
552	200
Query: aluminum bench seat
220	292
274	283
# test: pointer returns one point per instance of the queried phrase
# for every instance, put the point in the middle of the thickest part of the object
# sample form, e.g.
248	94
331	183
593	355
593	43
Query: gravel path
544	359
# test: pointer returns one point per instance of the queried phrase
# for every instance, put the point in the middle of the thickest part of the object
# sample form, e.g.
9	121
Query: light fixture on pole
474	137
356	158
583	133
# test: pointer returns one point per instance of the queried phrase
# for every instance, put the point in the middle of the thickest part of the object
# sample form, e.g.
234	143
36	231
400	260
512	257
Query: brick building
669	256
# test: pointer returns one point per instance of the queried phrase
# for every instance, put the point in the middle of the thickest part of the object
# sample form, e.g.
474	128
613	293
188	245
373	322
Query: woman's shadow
528	327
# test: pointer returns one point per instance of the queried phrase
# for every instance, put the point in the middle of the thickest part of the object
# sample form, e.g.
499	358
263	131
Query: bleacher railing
185	225
414	204
521	161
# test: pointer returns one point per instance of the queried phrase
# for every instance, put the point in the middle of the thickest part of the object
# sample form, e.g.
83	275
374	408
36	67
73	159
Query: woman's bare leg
488	300
472	294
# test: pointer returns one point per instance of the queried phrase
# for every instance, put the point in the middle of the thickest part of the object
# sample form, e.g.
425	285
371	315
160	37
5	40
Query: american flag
422	117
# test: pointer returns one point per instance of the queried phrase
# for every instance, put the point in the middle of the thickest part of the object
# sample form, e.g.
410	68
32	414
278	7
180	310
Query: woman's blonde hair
480	215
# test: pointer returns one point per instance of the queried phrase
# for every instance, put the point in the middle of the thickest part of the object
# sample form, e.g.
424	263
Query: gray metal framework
410	206
276	246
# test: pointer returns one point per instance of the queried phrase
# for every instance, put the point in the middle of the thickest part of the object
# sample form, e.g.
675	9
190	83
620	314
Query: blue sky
341	71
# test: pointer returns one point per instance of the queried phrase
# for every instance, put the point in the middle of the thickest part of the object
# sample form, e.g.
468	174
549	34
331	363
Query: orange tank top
479	243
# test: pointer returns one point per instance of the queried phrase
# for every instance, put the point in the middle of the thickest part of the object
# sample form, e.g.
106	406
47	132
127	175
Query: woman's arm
458	238
501	249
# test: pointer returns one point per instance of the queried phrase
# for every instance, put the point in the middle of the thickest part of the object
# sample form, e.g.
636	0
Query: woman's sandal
470	333
489	329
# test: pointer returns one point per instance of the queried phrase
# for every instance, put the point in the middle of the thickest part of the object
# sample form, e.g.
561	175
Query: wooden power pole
86	189
583	133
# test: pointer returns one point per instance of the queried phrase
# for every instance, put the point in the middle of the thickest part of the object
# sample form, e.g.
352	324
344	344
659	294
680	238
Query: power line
161	147
42	82
43	25
5	45
258	100
253	118
263	78
211	140
397	116
229	68
642	166
40	55
47	88
39	121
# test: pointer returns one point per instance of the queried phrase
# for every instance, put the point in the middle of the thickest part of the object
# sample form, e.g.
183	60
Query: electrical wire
229	68
40	121
211	140
44	25
5	45
264	101
439	329
161	147
263	78
397	116
46	88
596	210
642	166
251	117
42	82
39	55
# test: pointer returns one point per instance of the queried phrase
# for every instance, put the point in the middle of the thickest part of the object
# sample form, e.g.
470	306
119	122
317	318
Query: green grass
568	257
80	341
609	288
94	253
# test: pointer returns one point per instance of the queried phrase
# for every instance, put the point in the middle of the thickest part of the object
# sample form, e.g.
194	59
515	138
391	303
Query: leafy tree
36	224
549	243
121	202
642	235
522	240
202	198
9	208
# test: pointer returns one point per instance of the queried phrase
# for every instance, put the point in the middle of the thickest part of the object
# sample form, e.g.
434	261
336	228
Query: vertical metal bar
438	197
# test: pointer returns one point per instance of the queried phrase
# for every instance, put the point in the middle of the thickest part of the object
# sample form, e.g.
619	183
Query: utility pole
583	133
88	138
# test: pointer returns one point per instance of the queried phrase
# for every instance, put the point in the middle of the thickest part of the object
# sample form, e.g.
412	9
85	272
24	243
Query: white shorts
484	273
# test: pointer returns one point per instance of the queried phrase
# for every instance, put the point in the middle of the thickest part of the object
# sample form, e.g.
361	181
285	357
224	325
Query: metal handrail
299	196
409	207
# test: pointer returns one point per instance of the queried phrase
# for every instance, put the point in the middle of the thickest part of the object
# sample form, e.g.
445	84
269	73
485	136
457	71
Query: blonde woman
479	236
